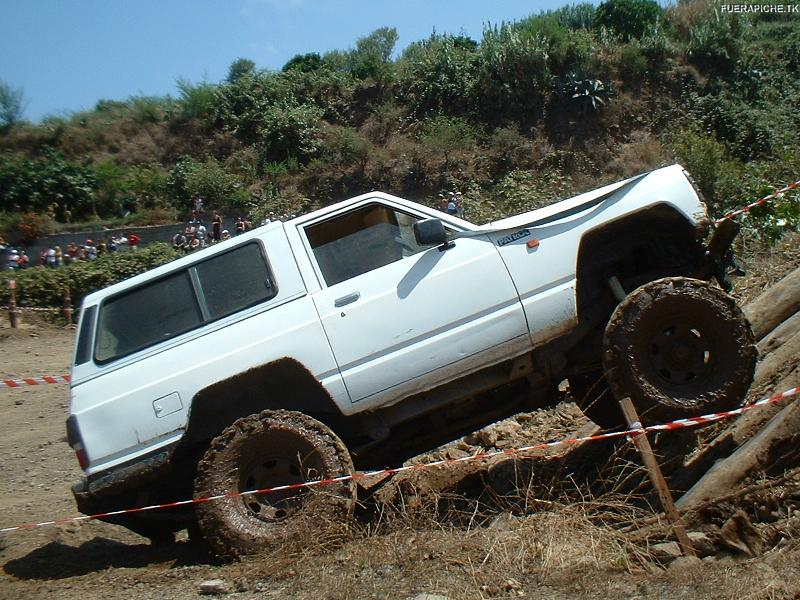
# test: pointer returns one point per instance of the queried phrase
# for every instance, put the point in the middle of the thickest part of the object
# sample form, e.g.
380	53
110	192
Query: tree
372	54
306	63
11	107
240	68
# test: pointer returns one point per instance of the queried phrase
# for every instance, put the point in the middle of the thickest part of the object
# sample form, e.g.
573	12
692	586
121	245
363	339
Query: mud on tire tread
230	526
631	346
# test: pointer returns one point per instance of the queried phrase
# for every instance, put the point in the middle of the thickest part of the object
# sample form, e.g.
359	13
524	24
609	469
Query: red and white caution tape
633	432
759	202
44	379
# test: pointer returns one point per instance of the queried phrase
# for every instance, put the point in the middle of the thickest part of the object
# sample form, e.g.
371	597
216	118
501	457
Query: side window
146	315
234	281
367	238
182	301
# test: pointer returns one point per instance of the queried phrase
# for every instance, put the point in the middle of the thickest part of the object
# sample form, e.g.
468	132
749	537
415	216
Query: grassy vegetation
536	110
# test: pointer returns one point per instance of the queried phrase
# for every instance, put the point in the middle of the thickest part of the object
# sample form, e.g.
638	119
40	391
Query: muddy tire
266	450
679	347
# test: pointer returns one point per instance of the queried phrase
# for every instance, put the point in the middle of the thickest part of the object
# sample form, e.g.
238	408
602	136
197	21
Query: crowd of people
56	256
452	204
196	235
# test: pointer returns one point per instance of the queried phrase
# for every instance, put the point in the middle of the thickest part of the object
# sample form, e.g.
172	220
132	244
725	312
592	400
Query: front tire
266	450
679	347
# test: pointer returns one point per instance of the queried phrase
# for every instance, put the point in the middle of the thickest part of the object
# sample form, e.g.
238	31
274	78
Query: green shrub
630	19
438	77
576	16
220	189
715	44
290	129
703	157
43	286
513	76
197	100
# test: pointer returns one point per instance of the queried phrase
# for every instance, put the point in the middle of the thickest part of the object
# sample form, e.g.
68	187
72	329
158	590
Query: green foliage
148	109
630	19
42	286
290	129
439	77
48	183
197	100
443	136
25	227
304	62
372	54
513	75
703	157
583	93
11	107
189	179
241	67
576	16
715	44
348	149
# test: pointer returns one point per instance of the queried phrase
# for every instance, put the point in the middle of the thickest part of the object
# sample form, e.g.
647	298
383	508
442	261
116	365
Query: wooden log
776	361
753	457
780	335
774	305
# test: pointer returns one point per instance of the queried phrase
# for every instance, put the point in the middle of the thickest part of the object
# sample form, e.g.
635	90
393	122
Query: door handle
346	299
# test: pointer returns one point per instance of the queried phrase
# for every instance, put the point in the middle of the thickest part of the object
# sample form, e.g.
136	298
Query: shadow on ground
57	560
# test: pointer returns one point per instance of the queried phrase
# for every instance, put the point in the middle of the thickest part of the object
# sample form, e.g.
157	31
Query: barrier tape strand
43	380
759	202
632	432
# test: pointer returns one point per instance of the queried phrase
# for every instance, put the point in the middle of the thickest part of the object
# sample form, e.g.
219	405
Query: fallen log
780	335
755	456
776	361
774	305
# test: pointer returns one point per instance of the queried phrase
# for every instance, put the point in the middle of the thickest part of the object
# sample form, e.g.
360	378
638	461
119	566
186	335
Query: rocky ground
489	529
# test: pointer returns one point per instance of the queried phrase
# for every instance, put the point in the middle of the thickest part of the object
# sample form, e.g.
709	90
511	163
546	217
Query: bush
43	286
715	44
210	180
702	156
290	130
438	77
630	19
197	101
513	76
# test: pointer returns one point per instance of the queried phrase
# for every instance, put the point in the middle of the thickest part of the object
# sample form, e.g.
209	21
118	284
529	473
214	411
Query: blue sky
66	55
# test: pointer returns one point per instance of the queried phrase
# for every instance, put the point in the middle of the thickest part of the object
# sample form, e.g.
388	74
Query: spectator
452	207
72	252
133	240
13	259
216	227
225	235
111	244
59	256
442	204
90	250
239	225
50	257
23	260
179	241
101	248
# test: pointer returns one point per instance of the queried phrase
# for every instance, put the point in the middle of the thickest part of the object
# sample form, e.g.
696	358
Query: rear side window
182	301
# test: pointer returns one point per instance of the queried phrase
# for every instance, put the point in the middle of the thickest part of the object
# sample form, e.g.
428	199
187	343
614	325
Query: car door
401	317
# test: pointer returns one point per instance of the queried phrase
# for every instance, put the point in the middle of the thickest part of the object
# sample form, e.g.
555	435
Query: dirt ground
546	549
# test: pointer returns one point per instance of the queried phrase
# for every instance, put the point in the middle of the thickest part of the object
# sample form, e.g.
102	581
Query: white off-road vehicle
373	329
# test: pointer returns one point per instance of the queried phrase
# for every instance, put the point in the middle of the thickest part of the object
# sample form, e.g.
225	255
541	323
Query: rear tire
679	347
262	451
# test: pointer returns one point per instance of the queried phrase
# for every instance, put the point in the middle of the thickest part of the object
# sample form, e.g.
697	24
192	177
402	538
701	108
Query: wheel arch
281	384
648	244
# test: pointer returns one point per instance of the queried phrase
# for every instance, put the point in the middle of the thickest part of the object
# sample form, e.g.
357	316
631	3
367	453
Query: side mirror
430	232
